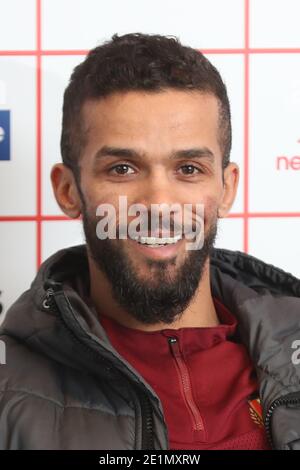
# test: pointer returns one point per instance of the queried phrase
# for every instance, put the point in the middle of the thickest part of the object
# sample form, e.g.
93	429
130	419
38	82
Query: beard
160	298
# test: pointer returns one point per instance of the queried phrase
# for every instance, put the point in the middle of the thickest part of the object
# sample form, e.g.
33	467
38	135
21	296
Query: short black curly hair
134	62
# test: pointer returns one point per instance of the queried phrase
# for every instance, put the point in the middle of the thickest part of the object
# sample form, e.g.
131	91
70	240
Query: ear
65	190
230	185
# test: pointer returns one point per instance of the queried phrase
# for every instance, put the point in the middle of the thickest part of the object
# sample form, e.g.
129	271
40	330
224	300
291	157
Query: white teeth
157	240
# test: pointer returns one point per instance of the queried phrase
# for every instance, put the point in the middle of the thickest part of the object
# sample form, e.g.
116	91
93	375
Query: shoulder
26	370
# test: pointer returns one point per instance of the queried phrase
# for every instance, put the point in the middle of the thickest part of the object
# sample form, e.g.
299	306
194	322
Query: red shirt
203	378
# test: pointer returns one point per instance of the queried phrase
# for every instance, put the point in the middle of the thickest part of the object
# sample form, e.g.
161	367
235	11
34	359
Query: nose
158	189
160	198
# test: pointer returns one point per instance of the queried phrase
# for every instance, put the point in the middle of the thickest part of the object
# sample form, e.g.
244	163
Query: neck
200	312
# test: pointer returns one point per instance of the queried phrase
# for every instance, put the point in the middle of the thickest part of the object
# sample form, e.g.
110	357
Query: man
139	342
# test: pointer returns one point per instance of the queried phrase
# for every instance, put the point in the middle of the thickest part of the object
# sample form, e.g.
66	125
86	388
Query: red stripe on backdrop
64	218
16	52
292	50
38	136
34	218
274	214
283	50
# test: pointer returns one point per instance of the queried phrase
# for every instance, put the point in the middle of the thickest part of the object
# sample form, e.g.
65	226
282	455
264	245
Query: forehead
170	111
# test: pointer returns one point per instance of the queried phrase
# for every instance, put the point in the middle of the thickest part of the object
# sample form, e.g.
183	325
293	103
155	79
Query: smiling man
137	342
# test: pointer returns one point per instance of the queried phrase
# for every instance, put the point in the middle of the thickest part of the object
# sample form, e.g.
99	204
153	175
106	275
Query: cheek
210	210
96	195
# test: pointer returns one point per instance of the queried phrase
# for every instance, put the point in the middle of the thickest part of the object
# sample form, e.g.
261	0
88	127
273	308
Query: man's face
132	141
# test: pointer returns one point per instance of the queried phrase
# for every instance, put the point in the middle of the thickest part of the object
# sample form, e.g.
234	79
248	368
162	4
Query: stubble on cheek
210	212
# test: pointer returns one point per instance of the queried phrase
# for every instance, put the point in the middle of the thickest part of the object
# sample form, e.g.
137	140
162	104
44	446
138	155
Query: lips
158	251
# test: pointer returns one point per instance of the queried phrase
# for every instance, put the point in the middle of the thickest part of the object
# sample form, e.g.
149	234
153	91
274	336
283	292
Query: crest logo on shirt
255	410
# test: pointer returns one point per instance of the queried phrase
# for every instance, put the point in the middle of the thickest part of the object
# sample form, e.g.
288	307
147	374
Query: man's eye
189	169
121	169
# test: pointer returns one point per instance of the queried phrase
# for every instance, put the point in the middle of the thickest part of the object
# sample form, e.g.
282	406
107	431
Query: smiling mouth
157	242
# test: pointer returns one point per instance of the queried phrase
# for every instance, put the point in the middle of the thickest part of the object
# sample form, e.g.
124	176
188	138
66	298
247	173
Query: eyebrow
107	151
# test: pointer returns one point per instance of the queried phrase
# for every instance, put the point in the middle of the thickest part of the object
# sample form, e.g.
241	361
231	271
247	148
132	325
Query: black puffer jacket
65	387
